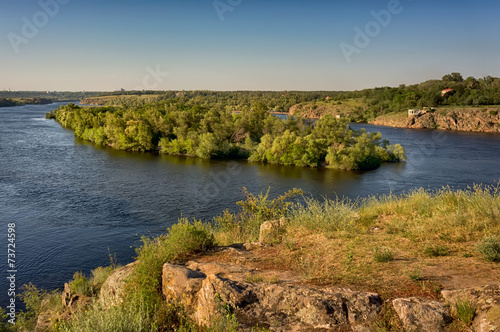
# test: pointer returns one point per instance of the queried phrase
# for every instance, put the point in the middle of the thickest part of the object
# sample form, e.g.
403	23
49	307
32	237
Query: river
74	203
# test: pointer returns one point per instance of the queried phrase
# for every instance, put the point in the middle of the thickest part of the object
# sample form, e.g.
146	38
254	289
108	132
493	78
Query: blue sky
259	45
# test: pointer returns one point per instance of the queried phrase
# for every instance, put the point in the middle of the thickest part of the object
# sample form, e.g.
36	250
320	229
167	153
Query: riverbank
484	119
378	265
9	102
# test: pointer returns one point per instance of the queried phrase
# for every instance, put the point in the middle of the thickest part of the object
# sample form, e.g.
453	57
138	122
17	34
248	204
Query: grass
120	318
252	277
420	227
465	310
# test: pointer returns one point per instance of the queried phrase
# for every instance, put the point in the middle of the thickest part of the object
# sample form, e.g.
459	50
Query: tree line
465	92
372	102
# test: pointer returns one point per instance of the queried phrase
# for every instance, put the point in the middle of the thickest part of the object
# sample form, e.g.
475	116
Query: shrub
489	247
493	112
32	298
81	285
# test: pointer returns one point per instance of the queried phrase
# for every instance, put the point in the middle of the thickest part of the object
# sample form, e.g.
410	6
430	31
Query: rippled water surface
72	201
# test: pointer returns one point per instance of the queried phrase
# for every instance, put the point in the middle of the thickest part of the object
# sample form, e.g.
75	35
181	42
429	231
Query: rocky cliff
463	119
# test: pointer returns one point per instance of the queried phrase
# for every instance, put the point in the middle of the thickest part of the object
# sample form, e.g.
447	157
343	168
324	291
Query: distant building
446	91
415	112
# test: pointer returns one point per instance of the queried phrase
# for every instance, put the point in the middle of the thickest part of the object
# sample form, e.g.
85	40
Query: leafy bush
32	298
489	247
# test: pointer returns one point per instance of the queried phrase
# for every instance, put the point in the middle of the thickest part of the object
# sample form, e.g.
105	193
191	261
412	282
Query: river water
74	203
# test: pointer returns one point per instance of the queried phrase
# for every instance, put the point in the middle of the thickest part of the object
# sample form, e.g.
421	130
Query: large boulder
112	289
208	290
181	284
422	315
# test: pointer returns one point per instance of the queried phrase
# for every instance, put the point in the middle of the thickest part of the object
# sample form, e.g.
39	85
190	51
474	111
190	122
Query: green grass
127	317
465	310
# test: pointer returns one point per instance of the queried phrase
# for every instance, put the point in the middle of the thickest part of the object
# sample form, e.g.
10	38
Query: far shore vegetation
393	245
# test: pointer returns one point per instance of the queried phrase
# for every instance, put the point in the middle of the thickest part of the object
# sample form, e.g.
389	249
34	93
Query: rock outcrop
112	289
422	315
470	119
487	302
207	290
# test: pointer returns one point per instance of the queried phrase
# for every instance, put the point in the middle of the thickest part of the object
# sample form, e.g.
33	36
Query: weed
414	275
255	278
33	299
436	251
329	217
244	225
382	255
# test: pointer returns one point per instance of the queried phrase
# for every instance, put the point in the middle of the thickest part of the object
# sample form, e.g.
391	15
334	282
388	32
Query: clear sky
243	44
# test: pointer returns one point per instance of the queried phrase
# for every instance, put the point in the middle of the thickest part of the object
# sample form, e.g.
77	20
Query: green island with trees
185	128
